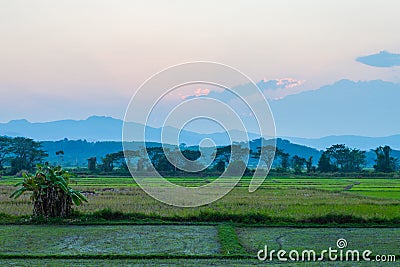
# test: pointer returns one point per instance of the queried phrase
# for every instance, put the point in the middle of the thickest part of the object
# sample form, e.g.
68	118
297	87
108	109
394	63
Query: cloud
197	93
281	83
272	89
383	59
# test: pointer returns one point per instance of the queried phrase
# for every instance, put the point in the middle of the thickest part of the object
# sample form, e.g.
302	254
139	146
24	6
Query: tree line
20	153
336	158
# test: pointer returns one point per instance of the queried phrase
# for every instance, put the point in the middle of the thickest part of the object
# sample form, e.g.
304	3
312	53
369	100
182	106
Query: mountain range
363	108
368	110
98	128
101	128
98	136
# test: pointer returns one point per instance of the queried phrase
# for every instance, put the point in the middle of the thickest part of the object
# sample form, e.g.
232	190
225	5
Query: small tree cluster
21	153
385	162
341	158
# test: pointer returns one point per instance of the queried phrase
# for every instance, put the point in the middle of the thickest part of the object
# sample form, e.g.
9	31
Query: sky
74	59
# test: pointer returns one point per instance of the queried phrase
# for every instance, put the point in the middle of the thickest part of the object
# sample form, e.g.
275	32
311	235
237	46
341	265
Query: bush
51	194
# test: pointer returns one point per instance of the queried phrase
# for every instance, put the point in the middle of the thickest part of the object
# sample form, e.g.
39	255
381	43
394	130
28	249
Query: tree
266	154
232	157
298	164
107	163
92	164
130	156
284	158
192	157
344	159
159	160
220	167
339	155
51	194
237	167
223	154
5	150
142	161
60	154
26	154
356	160
384	162
324	163
309	165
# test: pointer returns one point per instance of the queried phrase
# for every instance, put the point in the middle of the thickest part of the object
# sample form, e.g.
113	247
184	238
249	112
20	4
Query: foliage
384	162
340	157
5	149
309	165
23	153
266	154
298	164
324	163
284	159
60	155
220	167
51	194
92	164
237	167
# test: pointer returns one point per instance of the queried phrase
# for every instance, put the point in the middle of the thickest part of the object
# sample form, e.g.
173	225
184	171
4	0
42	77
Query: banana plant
50	192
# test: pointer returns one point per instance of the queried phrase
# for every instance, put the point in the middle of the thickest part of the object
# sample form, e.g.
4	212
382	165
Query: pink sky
73	59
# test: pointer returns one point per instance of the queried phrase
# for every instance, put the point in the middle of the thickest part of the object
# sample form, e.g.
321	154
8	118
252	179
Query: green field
122	226
94	240
379	240
178	262
180	245
288	200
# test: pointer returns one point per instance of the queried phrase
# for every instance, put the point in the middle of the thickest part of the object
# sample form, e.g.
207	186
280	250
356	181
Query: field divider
229	241
126	256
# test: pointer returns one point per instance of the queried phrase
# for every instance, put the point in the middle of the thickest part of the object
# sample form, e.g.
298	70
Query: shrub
51	194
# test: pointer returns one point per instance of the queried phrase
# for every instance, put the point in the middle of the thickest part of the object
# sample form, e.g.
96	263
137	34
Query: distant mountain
94	128
291	148
97	128
365	108
360	142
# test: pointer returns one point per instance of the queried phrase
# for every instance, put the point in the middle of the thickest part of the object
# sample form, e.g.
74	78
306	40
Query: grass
172	262
178	245
378	240
264	205
108	240
156	234
229	241
279	200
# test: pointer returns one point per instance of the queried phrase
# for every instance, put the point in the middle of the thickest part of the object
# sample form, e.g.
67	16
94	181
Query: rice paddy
135	230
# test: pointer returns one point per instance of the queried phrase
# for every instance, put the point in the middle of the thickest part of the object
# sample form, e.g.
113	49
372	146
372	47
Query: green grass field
178	262
379	240
289	200
136	230
180	245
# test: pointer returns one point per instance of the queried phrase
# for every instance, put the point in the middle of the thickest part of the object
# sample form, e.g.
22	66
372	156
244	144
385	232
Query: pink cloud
198	92
289	82
282	87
